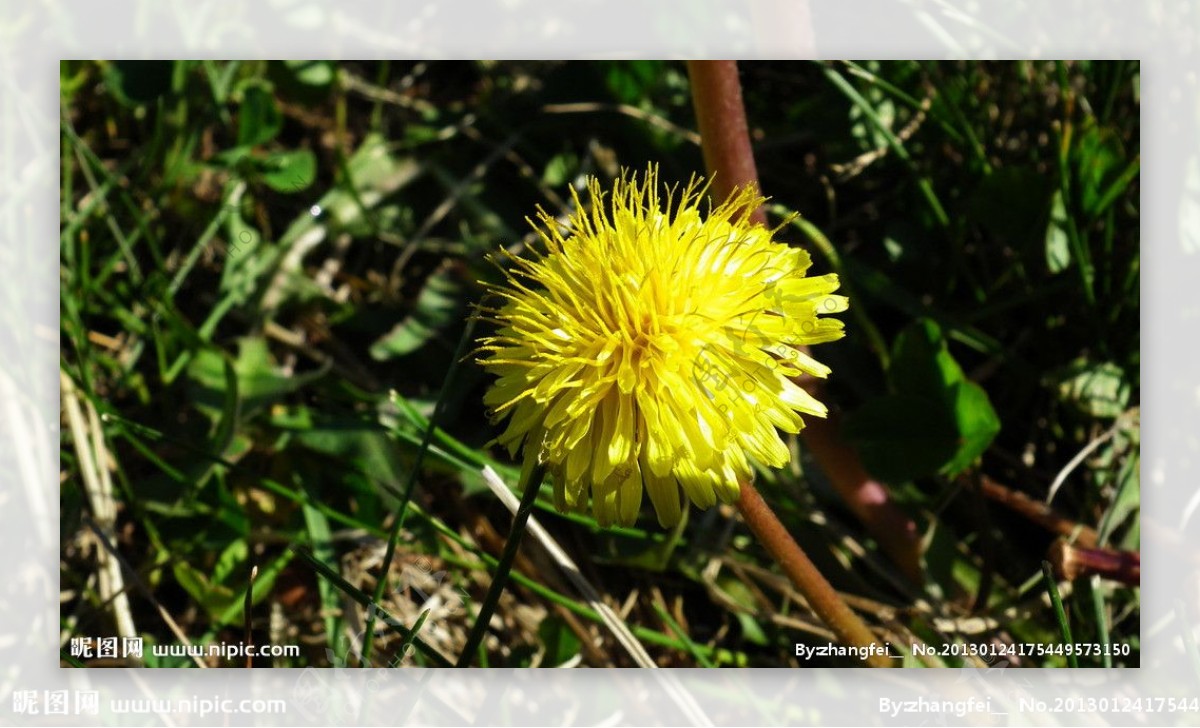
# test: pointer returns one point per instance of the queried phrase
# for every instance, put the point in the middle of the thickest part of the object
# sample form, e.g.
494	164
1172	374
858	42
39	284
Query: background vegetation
267	270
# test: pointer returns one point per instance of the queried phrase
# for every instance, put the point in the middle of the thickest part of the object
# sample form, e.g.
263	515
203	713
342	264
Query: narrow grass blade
402	508
1059	613
531	481
362	598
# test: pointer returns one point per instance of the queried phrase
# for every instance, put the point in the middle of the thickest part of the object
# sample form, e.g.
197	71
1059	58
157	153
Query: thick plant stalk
724	134
721	116
819	593
717	97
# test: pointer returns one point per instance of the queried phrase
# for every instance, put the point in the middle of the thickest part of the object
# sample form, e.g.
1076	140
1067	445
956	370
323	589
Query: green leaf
242	265
737	592
416	133
438	306
935	421
137	82
560	169
259	119
870	132
233	158
948	564
560	642
976	423
321	541
752	631
311	73
903	436
1058	243
290	172
364	446
308	82
235	553
383	459
921	363
376	175
631	82
1095	389
225	603
213	598
259	381
264	583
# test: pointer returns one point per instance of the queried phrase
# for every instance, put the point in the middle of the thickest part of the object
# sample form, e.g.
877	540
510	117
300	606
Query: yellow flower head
652	347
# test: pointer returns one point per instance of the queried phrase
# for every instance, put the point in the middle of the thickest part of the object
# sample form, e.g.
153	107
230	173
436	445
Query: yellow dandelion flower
651	347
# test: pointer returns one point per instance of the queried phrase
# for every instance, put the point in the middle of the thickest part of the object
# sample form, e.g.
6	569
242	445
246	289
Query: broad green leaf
375	174
903	436
1095	389
921	363
936	420
977	425
321	541
242	260
438	306
230	410
948	565
1127	500
752	631
560	642
308	82
632	82
259	119
311	73
264	583
736	591
259	381
290	172
384	459
560	169
365	446
222	594
214	598
233	555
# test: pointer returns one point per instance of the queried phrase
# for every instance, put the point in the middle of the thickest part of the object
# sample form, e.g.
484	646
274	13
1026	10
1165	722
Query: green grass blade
365	600
1059	613
406	498
531	482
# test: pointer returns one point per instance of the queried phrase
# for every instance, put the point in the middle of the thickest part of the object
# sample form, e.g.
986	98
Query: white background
35	35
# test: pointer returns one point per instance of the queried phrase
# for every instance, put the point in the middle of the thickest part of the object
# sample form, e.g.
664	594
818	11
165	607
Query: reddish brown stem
1038	512
724	134
1072	561
819	593
717	97
721	116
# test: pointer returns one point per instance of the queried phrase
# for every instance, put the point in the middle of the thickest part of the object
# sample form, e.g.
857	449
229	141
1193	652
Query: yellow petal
642	347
